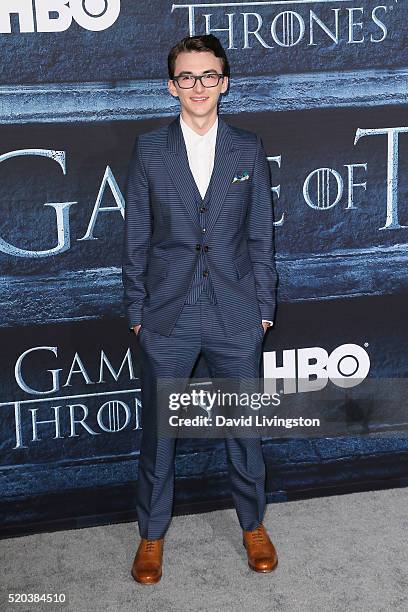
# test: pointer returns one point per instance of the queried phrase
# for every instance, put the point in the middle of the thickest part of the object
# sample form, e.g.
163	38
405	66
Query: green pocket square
239	178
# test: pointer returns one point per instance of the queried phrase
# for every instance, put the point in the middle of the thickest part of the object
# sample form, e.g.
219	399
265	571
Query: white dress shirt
200	153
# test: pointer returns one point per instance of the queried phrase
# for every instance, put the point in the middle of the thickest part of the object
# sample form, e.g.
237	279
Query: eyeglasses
188	81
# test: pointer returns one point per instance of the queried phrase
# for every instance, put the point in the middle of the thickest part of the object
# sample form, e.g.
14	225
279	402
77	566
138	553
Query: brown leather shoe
262	556
147	565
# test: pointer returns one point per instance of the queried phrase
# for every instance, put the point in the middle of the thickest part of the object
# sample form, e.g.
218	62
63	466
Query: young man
199	277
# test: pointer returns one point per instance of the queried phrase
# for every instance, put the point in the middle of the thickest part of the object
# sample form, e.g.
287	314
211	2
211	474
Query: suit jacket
163	235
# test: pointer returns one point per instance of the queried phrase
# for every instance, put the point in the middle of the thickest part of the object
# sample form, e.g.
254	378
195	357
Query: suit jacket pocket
243	265
156	272
157	266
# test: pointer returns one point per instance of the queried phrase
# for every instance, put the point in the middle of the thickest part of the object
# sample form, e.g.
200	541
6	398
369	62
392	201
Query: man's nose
199	87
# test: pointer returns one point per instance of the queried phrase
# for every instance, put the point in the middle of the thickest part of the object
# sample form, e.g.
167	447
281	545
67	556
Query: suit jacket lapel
225	162
226	159
176	161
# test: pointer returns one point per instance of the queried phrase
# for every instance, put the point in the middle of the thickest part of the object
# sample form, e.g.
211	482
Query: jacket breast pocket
243	265
240	190
157	267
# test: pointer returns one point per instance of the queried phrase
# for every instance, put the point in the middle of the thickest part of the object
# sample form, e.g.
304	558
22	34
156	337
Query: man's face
199	101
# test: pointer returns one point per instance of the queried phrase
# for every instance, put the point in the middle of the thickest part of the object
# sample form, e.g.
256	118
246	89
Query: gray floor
345	553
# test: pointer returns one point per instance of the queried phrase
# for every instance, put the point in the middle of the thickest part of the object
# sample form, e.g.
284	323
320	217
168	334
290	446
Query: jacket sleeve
137	235
260	235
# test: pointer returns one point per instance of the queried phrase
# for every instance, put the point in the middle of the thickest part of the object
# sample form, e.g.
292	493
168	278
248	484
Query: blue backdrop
325	84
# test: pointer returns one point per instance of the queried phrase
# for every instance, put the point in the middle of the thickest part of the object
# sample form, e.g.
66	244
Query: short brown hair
204	42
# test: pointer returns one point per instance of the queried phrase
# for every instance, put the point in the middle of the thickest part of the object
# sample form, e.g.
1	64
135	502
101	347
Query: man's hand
136	328
266	324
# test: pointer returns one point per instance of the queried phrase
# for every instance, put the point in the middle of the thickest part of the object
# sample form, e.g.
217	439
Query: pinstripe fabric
163	228
200	282
199	329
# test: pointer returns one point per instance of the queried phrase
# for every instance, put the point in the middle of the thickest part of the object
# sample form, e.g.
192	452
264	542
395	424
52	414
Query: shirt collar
199	137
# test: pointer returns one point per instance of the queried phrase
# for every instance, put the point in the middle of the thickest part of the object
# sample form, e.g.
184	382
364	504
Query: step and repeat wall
325	85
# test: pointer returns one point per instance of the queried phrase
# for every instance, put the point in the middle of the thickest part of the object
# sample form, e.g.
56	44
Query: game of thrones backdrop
325	85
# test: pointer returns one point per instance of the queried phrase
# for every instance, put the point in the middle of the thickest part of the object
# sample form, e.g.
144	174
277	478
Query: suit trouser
198	329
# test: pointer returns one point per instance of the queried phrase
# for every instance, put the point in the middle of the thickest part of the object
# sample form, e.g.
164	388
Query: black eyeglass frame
198	78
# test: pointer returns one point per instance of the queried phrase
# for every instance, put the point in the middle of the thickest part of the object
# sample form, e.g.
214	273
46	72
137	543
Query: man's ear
225	84
172	88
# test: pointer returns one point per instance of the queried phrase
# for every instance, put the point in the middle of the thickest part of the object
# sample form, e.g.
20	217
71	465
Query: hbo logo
309	369
57	15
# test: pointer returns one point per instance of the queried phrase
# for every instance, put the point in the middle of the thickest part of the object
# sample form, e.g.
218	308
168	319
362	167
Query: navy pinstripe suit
199	275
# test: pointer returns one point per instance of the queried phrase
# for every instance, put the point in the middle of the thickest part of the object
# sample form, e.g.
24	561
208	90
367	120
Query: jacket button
198	247
205	273
203	209
206	247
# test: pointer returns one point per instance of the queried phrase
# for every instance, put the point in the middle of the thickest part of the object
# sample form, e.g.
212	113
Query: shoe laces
257	535
150	545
